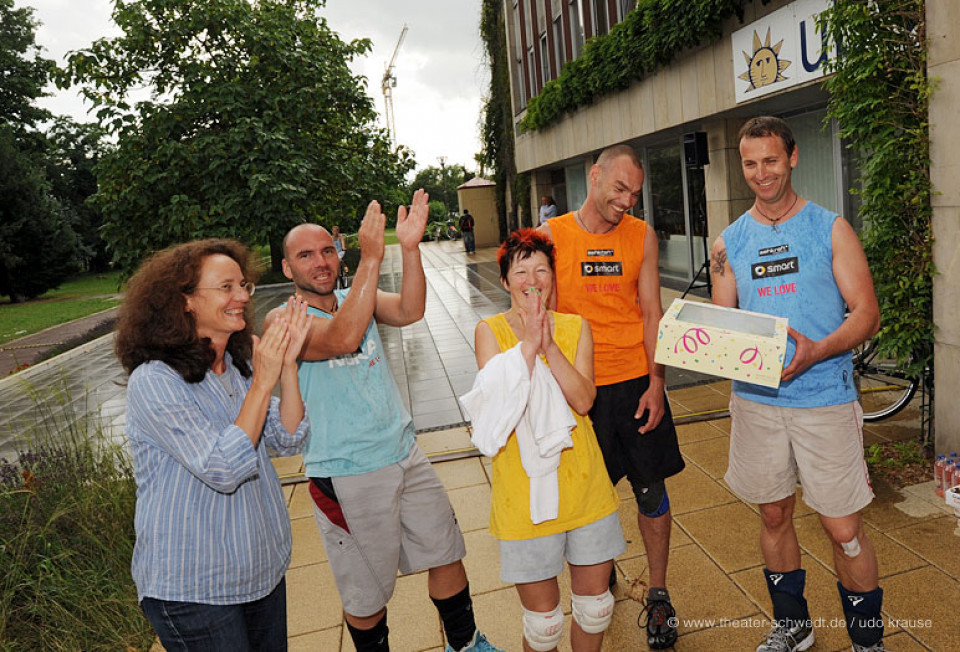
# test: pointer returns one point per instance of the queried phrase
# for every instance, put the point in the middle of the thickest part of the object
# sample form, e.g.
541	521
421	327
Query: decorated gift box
726	342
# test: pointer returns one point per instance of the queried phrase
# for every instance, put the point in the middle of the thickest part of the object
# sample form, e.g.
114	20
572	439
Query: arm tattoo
718	262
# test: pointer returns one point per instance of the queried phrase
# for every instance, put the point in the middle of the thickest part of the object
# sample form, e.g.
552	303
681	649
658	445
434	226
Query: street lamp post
443	183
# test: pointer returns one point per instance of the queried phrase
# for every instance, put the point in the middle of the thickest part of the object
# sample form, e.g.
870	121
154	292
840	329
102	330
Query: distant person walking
213	532
466	228
548	209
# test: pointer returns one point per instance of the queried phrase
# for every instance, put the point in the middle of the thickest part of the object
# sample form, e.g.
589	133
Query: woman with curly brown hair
213	534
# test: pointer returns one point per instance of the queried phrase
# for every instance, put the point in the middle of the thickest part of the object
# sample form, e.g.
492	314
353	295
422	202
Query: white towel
507	397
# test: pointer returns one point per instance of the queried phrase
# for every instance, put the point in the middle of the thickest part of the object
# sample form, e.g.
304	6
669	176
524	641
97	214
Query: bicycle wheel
883	389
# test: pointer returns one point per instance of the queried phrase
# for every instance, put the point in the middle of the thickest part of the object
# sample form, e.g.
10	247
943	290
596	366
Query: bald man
379	505
607	272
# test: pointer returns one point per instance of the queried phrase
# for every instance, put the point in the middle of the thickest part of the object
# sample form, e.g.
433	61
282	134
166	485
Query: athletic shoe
876	647
661	623
478	644
787	639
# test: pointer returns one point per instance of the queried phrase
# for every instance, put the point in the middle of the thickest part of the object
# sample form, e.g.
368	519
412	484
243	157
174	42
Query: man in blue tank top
789	257
380	506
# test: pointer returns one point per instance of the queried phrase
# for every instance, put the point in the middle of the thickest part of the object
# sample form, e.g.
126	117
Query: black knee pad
652	500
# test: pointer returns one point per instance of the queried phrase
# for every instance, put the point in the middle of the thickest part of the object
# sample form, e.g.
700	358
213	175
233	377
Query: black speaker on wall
695	153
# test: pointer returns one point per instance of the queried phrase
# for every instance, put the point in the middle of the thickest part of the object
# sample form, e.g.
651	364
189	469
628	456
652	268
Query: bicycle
884	388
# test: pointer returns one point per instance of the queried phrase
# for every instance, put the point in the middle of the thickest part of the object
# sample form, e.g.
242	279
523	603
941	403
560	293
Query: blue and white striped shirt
211	521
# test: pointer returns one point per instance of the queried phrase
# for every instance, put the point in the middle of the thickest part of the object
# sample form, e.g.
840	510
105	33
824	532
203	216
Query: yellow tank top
597	277
586	494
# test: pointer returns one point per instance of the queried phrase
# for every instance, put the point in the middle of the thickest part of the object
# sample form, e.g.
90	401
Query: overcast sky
439	69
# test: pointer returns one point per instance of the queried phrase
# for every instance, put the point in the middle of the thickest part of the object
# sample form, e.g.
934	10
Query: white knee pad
851	548
543	629
593	612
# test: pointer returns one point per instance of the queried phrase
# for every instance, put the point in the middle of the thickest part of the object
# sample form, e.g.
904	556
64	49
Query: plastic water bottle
950	477
938	473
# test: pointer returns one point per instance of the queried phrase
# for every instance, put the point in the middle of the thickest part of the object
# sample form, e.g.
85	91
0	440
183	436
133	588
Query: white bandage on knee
543	629
592	612
851	548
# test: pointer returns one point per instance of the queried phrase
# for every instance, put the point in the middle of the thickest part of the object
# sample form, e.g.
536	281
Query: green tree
23	72
72	152
442	184
37	244
38	247
254	124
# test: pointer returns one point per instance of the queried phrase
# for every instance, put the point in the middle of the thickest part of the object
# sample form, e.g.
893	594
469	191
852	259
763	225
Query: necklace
576	216
773	221
333	310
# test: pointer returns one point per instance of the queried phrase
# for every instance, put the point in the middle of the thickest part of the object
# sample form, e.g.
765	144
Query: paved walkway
715	566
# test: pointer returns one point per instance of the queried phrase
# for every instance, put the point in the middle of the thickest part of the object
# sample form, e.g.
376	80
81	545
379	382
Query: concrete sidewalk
715	573
715	565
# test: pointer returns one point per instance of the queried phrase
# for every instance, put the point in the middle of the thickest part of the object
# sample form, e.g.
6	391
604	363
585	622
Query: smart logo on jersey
770	251
605	268
775	268
593	253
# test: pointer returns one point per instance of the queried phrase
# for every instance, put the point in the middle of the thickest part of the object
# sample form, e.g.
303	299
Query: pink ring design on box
692	342
745	358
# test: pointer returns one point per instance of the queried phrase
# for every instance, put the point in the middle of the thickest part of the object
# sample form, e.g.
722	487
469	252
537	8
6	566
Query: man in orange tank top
607	272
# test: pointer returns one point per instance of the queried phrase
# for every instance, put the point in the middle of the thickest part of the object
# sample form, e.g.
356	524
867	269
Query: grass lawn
21	319
78	297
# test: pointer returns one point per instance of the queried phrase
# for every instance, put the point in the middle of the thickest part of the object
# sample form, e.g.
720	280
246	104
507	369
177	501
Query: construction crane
388	83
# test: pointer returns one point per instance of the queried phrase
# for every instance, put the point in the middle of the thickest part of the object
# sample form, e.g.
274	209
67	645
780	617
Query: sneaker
787	639
876	647
661	624
478	644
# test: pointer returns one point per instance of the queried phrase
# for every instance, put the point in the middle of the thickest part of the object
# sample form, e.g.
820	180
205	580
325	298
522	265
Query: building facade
684	119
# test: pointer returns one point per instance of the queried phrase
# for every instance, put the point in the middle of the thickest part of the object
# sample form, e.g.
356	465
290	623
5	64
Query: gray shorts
534	560
374	524
772	447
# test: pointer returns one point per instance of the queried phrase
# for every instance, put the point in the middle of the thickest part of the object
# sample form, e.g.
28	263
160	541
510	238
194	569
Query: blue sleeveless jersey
788	272
361	422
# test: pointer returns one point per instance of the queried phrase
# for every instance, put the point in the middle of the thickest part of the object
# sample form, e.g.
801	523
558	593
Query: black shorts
643	458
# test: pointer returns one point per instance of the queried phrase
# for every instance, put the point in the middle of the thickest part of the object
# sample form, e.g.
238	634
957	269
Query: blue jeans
468	242
190	626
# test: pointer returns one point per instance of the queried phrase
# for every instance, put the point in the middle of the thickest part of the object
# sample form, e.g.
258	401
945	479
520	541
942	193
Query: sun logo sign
764	66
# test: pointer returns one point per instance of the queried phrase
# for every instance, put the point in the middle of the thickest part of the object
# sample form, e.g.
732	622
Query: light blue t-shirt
788	272
361	424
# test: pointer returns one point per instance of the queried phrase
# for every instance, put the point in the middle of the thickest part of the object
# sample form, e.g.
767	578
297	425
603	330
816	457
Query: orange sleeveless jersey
597	279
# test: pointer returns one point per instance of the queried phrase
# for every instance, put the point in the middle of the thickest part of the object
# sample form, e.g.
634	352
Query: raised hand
298	320
546	336
268	353
532	315
410	225
371	232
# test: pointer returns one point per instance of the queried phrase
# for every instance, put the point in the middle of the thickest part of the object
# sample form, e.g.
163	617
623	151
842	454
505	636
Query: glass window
816	174
532	71
576	176
523	92
576	29
558	44
599	12
625	7
665	168
545	58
